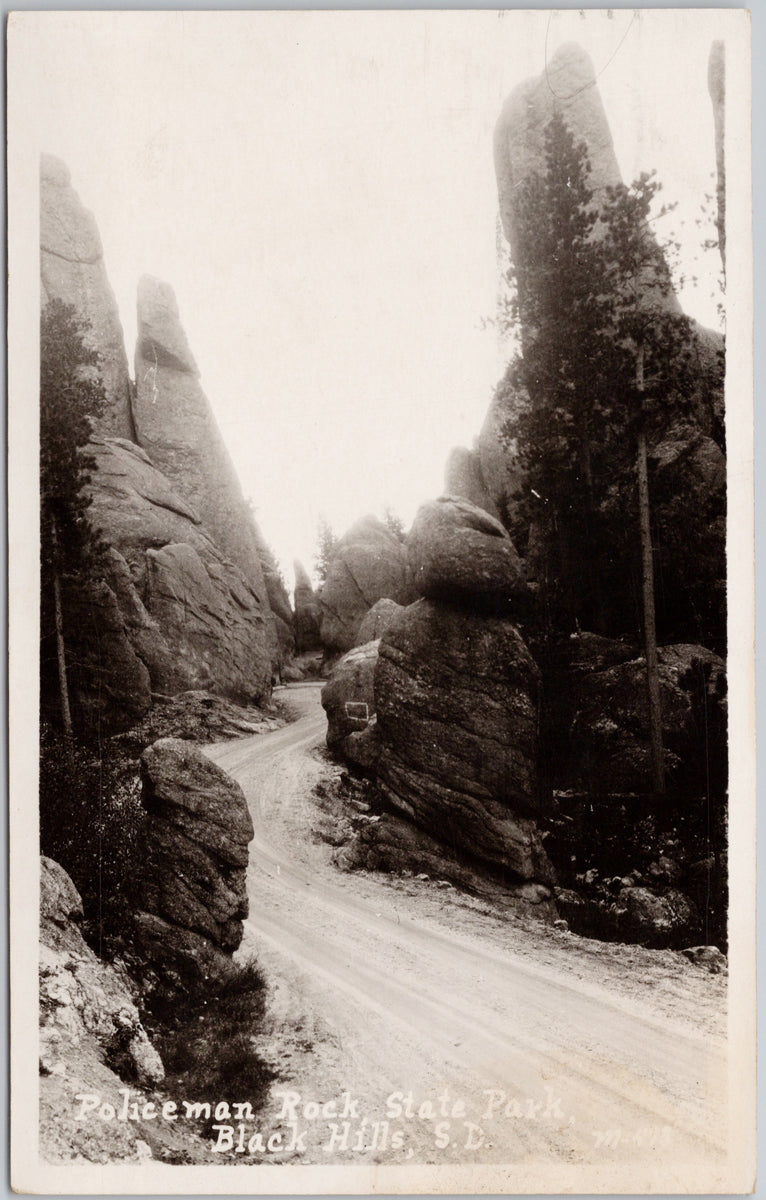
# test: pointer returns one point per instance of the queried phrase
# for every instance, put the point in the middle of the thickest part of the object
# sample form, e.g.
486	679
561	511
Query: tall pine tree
605	357
71	396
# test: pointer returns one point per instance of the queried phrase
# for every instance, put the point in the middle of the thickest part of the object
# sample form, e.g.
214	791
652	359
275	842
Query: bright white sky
319	191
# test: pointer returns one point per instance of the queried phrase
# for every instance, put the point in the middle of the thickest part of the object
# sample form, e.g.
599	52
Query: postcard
382	767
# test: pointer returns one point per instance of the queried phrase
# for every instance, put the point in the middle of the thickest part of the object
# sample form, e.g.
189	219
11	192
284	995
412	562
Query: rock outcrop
281	613
72	269
93	1047
189	614
91	1038
175	426
348	698
307	611
463	477
377	621
82	997
184	600
567	85
368	564
457	710
191	897
716	80
460	553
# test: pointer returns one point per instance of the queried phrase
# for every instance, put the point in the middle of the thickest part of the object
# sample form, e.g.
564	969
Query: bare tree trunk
647	579
66	713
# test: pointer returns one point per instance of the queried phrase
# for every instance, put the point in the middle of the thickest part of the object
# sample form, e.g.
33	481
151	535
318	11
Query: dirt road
435	1031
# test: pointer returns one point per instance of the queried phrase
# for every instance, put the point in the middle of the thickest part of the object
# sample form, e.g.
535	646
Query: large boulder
610	730
190	615
368	564
377	621
307	611
196	843
175	425
459	553
656	920
72	269
348	697
457	714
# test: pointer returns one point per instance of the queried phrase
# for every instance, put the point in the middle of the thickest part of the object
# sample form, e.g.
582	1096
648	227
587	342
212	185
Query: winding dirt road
437	1033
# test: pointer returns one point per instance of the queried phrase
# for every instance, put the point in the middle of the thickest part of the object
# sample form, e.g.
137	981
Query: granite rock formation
184	600
72	269
348	697
89	1022
458	552
192	886
175	426
457	712
368	564
377	621
464	477
281	613
569	86
190	616
307	611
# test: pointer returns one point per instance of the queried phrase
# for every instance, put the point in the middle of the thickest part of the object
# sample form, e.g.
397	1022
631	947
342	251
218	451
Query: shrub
206	1041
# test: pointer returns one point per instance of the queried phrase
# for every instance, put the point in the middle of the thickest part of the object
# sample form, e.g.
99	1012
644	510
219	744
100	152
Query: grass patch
207	1039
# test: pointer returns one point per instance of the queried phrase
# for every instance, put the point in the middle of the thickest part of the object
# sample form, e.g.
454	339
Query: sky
319	191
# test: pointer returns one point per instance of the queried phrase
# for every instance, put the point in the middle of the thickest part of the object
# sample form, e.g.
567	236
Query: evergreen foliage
71	396
592	288
326	544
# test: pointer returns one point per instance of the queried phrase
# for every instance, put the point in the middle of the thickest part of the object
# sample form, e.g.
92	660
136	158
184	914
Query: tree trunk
66	713
647	579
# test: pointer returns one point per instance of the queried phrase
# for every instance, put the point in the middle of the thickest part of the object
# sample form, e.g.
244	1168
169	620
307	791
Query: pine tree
326	543
597	325
71	396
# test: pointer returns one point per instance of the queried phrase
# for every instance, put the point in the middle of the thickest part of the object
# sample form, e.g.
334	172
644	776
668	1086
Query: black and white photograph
382	765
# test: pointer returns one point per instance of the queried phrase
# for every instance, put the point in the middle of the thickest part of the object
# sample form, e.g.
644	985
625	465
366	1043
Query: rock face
199	828
90	1028
716	81
369	564
457	698
463	477
377	621
307	611
72	270
183	602
281	614
175	426
569	84
348	697
459	551
655	920
189	614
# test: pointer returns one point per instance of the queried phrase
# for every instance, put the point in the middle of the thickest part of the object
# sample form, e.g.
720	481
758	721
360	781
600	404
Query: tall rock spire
72	269
176	427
